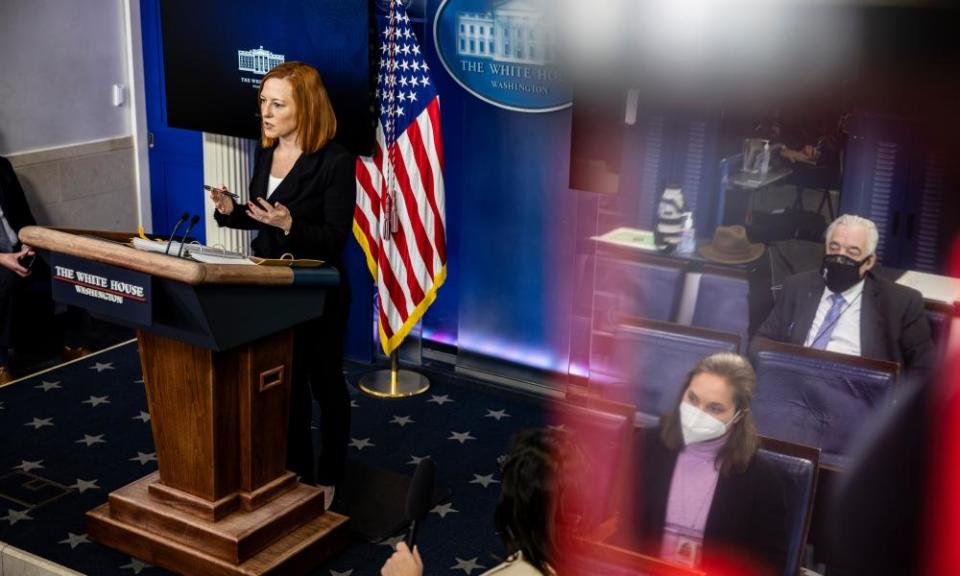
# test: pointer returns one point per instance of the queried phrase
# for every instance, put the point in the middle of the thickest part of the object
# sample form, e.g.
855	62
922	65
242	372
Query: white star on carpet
439	400
144	416
39	423
84	485
95	401
144	458
460	437
402	420
392	542
75	540
14	516
415	460
101	366
443	509
497	414
136	565
48	386
467	566
484	480
361	443
344	573
91	440
28	465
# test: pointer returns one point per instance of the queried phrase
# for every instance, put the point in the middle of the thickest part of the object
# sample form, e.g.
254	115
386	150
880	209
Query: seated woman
705	499
536	475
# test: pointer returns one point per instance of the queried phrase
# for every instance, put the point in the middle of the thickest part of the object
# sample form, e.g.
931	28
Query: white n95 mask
698	426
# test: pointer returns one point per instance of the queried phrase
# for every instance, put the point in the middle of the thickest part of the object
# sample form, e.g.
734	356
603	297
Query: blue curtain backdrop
510	227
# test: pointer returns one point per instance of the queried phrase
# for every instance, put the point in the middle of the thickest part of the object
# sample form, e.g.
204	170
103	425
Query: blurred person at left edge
302	195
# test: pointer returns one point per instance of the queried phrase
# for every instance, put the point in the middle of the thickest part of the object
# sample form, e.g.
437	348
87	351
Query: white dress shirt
845	337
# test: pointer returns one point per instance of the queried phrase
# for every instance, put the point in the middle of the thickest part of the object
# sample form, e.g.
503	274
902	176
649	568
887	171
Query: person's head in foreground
535	485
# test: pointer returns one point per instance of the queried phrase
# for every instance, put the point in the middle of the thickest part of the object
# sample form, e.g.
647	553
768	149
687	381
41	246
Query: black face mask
840	272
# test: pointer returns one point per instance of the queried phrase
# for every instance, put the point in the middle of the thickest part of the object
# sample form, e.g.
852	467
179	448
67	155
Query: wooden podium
216	348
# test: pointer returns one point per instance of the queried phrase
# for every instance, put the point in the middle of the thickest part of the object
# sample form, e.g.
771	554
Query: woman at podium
302	196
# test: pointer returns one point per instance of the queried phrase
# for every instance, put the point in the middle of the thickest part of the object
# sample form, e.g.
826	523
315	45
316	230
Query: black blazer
893	324
319	191
747	516
12	199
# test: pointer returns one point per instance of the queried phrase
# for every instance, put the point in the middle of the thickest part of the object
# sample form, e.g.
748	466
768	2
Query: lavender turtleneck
688	505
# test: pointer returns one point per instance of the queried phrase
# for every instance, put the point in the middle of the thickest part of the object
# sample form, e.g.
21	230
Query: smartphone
221	190
27	261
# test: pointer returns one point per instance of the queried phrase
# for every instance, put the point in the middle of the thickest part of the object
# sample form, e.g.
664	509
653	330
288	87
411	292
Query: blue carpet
74	434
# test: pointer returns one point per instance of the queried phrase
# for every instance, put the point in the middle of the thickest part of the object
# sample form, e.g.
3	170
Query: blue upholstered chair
630	285
604	430
818	398
648	287
798	467
940	316
651	360
723	301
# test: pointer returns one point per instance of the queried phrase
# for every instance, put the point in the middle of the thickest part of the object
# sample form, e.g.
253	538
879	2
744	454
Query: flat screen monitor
216	52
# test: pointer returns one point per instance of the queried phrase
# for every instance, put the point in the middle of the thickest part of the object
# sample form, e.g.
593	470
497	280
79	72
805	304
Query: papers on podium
199	252
214	255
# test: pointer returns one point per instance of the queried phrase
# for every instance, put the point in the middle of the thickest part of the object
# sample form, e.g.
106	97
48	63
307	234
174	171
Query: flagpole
394	383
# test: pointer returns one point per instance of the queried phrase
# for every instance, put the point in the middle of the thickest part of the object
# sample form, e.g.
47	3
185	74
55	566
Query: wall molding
66	152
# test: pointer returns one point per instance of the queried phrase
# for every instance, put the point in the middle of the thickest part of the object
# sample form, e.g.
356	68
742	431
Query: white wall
58	62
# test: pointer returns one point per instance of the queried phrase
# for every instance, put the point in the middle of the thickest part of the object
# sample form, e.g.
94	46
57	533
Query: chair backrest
604	431
939	316
818	398
798	467
723	301
641	286
651	360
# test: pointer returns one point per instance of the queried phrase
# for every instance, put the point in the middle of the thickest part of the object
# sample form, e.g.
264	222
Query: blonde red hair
316	121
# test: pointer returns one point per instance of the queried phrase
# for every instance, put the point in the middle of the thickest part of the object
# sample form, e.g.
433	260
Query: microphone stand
176	227
183	239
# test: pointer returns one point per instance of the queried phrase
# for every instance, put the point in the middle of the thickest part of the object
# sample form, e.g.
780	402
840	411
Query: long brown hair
742	440
316	122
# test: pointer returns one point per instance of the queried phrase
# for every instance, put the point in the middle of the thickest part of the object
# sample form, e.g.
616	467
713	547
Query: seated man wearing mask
844	308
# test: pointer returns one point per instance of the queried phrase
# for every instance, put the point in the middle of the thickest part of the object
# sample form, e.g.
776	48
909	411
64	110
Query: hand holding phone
27	260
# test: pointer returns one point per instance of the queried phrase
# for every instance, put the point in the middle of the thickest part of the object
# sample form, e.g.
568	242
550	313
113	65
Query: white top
272	184
845	337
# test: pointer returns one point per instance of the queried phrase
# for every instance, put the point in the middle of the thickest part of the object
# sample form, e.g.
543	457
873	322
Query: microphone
183	239
419	496
176	227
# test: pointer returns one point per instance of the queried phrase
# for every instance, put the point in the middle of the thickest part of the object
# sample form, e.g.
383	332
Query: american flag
399	218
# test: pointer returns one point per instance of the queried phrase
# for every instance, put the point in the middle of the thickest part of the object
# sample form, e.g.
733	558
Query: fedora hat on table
731	246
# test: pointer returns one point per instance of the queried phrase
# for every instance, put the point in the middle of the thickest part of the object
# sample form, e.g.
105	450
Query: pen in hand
221	191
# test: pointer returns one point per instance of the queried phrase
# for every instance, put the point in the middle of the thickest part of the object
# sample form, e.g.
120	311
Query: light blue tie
829	323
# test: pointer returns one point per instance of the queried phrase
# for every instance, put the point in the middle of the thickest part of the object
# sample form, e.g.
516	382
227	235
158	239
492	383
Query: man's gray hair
873	237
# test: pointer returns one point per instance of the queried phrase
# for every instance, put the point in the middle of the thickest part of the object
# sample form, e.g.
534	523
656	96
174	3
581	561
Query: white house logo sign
501	52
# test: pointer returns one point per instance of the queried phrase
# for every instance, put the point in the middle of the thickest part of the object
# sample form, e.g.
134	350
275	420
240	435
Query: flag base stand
394	383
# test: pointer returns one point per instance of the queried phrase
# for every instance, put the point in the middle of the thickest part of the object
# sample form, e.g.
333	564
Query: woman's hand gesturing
271	214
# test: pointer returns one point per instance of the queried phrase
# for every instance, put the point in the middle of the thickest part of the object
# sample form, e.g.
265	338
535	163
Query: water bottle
688	239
